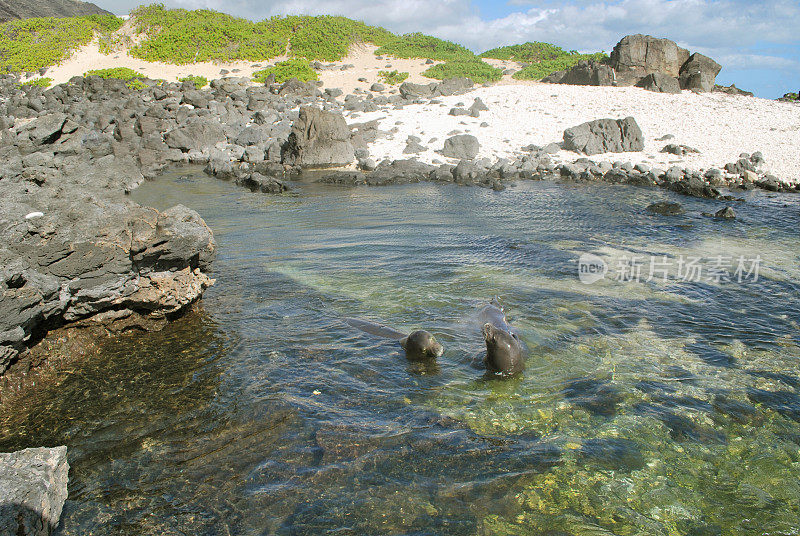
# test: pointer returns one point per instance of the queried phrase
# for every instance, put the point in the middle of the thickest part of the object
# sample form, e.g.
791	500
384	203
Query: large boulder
604	136
699	72
201	134
461	147
636	56
411	91
660	83
318	139
584	73
33	488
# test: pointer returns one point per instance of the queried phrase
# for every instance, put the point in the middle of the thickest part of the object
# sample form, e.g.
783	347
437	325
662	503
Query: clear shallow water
646	408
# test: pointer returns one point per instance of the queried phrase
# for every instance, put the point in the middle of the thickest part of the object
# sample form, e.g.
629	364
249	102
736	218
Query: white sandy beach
720	126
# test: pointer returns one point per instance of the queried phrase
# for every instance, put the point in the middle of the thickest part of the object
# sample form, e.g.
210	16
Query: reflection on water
646	408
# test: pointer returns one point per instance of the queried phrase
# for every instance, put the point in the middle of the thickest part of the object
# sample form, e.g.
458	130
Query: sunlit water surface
647	408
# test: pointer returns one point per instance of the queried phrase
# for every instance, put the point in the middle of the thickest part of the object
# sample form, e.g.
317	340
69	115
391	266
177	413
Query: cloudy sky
756	42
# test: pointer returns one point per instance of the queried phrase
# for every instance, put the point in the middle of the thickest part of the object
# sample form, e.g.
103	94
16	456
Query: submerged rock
33	489
665	208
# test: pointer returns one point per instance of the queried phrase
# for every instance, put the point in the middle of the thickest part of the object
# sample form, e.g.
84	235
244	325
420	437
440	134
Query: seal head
505	354
421	345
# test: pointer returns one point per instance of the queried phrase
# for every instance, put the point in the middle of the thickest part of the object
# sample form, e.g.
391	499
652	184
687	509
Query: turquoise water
661	407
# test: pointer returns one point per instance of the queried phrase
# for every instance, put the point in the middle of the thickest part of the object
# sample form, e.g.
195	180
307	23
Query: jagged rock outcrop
445	88
26	9
318	139
636	56
584	73
699	73
33	489
660	83
604	136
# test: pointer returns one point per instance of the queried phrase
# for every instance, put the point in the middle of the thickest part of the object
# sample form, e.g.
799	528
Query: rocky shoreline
76	251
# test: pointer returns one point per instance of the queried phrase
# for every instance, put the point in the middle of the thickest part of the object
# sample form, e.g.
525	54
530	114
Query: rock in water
462	147
318	139
33	488
636	56
604	136
660	83
665	208
726	213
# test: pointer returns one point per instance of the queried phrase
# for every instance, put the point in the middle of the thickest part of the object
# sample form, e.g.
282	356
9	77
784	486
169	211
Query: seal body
419	345
505	352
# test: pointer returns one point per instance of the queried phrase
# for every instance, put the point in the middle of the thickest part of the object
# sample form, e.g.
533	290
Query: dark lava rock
461	147
261	183
584	73
636	56
726	213
318	139
33	489
699	72
665	208
604	136
678	150
660	83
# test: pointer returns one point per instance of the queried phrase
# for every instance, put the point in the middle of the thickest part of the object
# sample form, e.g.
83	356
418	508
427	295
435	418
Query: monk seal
505	352
419	345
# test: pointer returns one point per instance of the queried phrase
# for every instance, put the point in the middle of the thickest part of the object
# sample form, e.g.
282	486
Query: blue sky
757	43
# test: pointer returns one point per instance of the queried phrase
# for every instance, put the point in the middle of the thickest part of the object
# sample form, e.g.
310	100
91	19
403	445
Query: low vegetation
792	96
132	78
417	45
179	36
284	70
198	81
537	71
476	69
542	58
28	45
392	77
38	82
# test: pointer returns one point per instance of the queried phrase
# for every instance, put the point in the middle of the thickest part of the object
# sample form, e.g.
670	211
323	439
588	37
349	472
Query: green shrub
530	52
792	96
39	82
328	38
537	71
30	44
417	45
199	81
479	71
179	36
392	77
132	79
283	71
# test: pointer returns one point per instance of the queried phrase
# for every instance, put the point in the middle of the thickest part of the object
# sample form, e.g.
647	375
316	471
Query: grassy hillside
543	58
28	45
180	36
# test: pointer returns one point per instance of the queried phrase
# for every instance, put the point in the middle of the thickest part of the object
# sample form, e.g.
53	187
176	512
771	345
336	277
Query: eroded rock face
584	73
318	139
636	56
660	83
699	72
604	136
33	488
